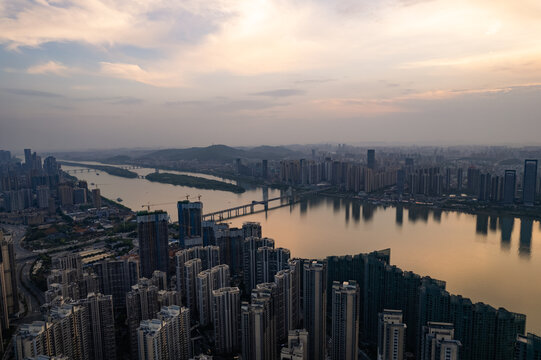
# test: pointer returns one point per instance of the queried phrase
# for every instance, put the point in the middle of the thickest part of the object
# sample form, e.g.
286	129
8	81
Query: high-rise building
176	323
99	308
28	158
250	246
65	194
345	320
151	340
141	304
297	346
209	255
189	222
459	179
70	332
32	340
207	281
509	186
288	287
269	261
528	347
251	229
43	195
371	158
191	269
438	342
96	198
9	277
256	328
116	278
265	169
391	335
314	307
226	305
529	184
153	235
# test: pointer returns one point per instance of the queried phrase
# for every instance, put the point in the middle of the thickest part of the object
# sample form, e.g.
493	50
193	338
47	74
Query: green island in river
194	181
111	170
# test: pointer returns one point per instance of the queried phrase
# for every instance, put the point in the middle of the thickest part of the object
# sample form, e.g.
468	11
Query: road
25	258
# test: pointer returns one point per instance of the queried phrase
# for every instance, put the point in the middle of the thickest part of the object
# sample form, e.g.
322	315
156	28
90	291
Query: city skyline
100	74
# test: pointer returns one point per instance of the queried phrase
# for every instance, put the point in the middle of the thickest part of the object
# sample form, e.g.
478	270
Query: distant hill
222	153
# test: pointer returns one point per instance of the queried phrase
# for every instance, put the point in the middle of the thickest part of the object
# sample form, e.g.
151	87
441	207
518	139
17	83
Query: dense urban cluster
228	292
483	183
216	291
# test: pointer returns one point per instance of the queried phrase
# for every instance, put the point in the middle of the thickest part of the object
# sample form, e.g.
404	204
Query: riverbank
111	170
193	181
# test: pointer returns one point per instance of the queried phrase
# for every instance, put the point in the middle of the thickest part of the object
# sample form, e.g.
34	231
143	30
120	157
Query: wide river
488	259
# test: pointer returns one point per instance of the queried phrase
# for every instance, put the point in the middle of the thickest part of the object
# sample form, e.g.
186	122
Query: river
490	259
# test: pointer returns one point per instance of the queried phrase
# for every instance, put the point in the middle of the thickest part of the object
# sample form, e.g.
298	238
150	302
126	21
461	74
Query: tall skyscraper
96	198
371	158
459	179
207	281
269	261
176	322
32	340
265	169
528	347
251	229
28	158
509	186
345	320
153	242
141	304
250	246
529	184
438	342
226	305
116	277
391	335
9	278
191	269
314	307
189	222
297	346
256	328
151	340
287	283
99	308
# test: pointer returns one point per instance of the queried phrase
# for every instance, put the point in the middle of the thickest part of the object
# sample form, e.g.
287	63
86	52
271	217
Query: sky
80	74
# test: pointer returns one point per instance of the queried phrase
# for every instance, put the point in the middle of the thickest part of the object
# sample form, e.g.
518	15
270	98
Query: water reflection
481	226
399	215
368	211
493	223
525	242
506	225
354	210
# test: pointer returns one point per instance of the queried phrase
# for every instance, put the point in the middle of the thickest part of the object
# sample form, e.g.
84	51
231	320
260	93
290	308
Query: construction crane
149	204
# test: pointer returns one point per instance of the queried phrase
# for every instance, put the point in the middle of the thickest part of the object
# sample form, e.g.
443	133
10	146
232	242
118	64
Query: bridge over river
255	207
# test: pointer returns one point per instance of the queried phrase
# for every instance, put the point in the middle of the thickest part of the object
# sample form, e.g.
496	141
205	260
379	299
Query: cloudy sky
111	73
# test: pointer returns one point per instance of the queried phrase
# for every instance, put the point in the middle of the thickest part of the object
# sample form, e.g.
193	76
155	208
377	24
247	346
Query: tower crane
149	204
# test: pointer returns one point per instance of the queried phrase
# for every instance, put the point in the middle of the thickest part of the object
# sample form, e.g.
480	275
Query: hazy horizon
96	74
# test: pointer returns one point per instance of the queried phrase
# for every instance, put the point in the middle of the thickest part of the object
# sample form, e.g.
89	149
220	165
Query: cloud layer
298	63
